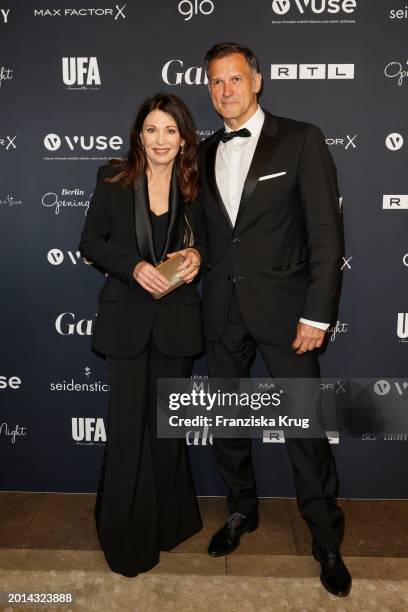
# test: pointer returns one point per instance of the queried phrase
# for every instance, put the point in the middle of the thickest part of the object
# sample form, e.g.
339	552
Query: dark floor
62	521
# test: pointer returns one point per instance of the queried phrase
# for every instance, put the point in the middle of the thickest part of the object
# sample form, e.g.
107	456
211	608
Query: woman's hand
191	264
149	278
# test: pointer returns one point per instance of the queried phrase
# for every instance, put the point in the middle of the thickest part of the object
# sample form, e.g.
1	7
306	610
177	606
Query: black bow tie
243	133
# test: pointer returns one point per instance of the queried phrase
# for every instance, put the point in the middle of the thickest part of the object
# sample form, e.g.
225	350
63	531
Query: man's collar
254	123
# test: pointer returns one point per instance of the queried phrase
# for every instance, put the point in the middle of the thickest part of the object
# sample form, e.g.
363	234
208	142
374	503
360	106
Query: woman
143	209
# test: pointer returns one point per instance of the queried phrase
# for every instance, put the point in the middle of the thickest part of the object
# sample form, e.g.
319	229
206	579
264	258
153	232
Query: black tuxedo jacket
284	251
117	235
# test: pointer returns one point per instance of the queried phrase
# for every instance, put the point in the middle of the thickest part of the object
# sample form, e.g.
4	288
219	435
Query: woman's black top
159	227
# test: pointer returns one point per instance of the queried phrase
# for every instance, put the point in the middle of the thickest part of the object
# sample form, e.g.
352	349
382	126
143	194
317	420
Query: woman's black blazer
117	235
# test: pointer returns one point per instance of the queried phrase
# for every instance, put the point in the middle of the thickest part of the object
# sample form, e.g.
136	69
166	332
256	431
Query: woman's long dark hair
186	162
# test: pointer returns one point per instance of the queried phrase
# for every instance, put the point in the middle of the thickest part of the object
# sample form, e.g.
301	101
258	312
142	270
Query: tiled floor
58	521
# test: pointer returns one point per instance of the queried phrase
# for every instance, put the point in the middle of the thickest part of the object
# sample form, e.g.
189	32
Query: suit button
236	240
231	278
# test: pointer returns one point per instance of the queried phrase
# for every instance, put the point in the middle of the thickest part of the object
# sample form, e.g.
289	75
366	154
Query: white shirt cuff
323	326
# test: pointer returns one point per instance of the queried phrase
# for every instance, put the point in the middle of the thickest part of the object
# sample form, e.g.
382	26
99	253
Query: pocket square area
270	176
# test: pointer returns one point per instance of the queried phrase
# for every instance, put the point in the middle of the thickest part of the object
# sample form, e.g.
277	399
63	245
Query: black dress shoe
334	575
226	539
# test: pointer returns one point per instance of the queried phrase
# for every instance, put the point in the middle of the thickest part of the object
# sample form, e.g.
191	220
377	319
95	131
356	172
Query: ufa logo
88	429
402	325
281	7
80	71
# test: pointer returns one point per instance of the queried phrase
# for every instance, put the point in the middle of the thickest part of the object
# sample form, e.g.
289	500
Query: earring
181	149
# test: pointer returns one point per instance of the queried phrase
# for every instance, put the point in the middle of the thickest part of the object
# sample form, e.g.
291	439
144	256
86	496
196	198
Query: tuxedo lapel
211	179
143	226
175	228
259	162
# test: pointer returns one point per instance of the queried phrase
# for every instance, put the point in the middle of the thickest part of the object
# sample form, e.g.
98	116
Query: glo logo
189	8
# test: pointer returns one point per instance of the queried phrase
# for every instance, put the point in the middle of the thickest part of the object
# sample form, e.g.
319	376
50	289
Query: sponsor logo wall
74	103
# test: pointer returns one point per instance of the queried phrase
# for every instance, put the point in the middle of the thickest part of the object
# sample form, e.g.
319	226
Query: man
274	245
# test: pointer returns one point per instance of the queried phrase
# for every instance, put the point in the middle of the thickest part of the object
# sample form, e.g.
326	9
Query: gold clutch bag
168	269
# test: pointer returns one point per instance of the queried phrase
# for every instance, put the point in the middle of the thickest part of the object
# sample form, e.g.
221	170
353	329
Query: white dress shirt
232	163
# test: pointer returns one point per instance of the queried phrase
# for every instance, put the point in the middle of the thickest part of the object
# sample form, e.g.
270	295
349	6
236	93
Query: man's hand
307	338
149	278
189	268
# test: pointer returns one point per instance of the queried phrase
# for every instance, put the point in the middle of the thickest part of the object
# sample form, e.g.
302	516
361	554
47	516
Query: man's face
233	87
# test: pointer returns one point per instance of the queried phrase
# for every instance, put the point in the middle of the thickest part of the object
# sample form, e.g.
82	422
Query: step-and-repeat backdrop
72	77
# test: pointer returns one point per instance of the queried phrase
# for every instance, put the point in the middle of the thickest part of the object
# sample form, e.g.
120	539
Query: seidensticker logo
312	71
190	8
89	385
401	13
80	71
